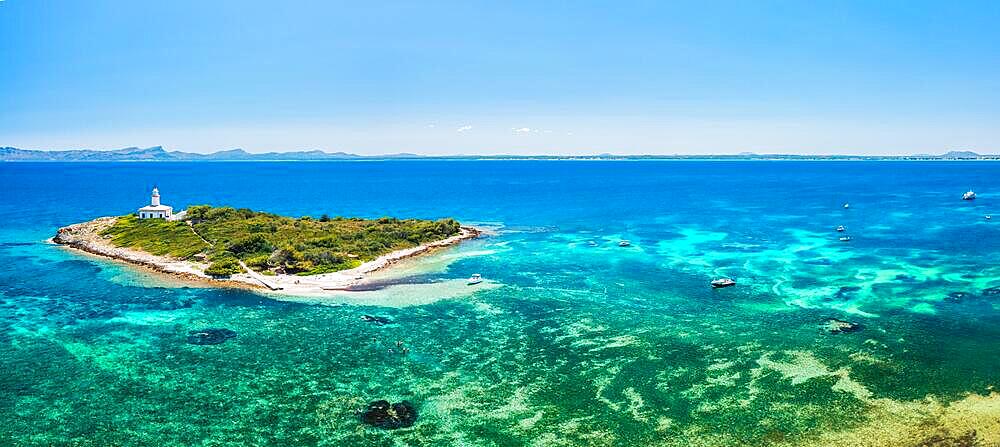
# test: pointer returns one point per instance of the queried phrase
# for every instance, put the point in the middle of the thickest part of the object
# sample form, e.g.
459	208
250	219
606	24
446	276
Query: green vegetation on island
273	244
156	236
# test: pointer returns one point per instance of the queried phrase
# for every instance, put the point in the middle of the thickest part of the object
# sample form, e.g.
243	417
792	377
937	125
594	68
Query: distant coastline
158	153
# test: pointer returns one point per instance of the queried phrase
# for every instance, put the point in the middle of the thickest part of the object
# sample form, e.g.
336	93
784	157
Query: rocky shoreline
86	237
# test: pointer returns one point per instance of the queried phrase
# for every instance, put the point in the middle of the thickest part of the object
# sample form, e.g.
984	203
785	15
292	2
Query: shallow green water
568	343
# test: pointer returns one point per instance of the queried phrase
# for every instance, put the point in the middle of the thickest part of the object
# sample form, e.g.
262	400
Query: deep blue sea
577	341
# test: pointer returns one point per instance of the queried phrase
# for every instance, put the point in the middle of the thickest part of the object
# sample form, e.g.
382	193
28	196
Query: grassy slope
277	244
156	236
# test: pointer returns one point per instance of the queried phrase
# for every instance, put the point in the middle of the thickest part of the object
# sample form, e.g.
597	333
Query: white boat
723	282
845	239
624	243
847	205
988	217
591	244
475	279
969	195
841	229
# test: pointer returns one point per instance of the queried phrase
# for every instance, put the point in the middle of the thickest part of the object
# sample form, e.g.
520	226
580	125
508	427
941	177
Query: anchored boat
723	282
970	195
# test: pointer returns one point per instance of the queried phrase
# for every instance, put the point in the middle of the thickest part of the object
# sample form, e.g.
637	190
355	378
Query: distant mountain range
157	153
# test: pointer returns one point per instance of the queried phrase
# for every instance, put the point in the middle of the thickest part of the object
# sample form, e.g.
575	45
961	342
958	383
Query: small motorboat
475	279
845	239
841	228
723	282
989	217
847	205
624	243
969	195
591	244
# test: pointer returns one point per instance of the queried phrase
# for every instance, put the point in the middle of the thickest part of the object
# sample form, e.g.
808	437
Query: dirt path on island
259	277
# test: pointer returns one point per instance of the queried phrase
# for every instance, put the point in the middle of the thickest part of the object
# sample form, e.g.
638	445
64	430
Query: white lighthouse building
155	210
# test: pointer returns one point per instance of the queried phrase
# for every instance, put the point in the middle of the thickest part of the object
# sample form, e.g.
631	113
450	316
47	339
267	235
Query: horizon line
967	154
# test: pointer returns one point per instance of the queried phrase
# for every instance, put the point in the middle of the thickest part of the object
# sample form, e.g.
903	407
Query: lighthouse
155	210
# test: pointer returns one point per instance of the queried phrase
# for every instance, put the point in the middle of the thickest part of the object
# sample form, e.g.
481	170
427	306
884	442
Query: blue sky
502	77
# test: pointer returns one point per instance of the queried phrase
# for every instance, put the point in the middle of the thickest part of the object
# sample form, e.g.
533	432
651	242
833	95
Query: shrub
224	267
260	227
220	213
252	244
286	258
197	212
258	262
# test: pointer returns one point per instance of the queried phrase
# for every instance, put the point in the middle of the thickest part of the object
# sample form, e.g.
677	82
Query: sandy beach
87	237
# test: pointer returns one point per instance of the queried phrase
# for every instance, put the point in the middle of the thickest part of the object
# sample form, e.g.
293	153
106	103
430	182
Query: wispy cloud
527	130
465	128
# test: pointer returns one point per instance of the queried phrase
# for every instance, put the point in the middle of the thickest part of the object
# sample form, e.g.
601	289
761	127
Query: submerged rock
210	336
992	291
835	326
383	415
172	303
375	319
846	293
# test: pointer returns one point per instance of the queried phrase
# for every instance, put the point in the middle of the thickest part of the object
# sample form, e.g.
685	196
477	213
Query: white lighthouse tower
155	210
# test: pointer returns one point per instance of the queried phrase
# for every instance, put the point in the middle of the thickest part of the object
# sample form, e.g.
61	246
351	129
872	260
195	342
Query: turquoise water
574	340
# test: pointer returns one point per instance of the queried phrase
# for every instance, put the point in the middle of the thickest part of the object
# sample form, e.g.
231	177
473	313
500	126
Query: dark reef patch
383	415
171	303
992	291
87	267
210	336
376	319
845	293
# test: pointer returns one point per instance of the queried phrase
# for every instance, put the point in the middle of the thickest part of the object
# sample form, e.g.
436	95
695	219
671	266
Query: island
251	249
